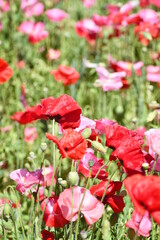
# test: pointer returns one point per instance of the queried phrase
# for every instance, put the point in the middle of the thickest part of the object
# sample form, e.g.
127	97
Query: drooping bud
86	133
6	210
114	219
73	178
45	192
98	146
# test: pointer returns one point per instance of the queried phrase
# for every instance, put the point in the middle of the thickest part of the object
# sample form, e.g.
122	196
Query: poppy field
79	119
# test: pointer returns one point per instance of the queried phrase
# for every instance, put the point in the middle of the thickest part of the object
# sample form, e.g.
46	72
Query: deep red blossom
46	235
52	215
127	147
64	110
144	192
5	71
65	74
115	201
71	145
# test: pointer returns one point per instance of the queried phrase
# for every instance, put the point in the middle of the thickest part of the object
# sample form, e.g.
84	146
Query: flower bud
83	234
32	155
86	133
6	210
73	178
145	166
45	192
27	166
123	193
43	146
91	163
63	183
60	180
98	146
113	219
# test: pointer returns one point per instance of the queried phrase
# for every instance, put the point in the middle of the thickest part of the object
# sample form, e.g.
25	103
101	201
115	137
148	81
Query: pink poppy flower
26	180
88	29
109	81
35	31
129	6
30	134
112	8
53	54
125	66
6	129
140	224
56	15
101	125
32	7
4	5
88	3
153	140
85	123
148	15
153	73
84	167
53	216
47	173
155	3
91	208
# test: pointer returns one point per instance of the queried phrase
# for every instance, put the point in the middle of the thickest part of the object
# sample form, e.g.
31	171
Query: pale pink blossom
88	3
85	123
53	54
48	173
140	224
32	7
6	129
148	15
91	208
153	140
56	15
129	6
26	180
109	81
119	66
153	73
30	134
35	31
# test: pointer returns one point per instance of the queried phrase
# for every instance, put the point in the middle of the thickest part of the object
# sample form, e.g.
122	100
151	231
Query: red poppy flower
127	145
71	145
64	110
144	192
65	74
46	235
5	71
115	201
147	28
52	215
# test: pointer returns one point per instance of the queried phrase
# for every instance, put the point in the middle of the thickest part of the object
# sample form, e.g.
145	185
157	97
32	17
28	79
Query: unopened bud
83	234
63	183
73	178
145	166
43	146
60	180
86	133
6	210
45	192
32	155
27	166
123	193
98	146
113	219
91	163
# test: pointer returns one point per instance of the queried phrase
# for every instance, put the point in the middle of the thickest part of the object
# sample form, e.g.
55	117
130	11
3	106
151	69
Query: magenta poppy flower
125	66
35	31
88	3
109	81
26	180
30	134
32	7
142	225
56	15
4	5
101	125
153	73
84	167
53	216
88	29
91	208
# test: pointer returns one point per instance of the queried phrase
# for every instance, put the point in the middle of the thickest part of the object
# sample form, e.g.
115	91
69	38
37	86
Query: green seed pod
86	133
73	178
43	146
145	166
98	146
63	183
